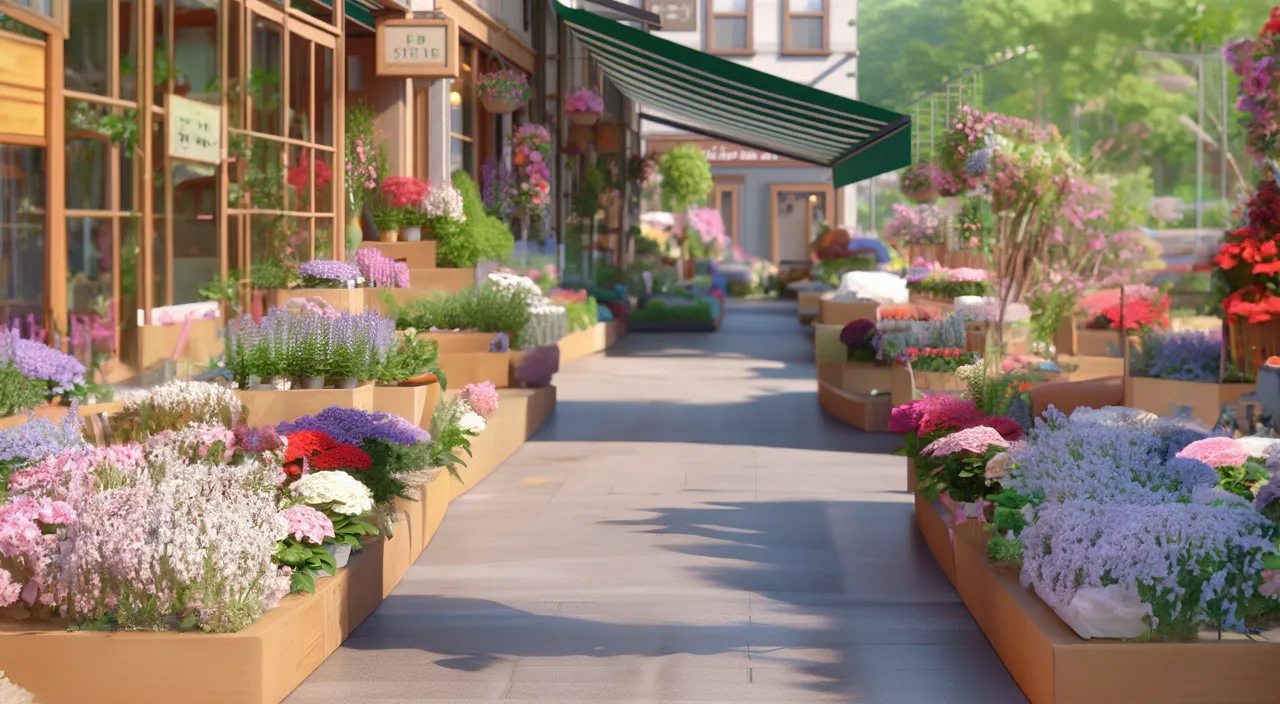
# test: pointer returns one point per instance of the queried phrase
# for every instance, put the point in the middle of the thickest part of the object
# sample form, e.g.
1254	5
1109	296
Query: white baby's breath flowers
471	422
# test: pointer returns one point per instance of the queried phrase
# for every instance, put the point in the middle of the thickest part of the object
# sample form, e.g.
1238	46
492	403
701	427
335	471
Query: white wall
511	12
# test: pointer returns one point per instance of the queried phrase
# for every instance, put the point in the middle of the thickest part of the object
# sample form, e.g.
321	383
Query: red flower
305	443
402	191
1253	304
342	456
1007	427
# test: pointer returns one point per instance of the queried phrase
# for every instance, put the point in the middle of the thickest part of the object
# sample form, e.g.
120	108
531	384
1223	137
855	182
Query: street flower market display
379	271
936	281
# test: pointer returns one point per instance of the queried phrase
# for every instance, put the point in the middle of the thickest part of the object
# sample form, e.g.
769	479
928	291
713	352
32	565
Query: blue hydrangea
39	438
977	163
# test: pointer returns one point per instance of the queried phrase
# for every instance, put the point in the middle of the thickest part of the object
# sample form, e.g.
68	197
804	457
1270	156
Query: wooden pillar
55	243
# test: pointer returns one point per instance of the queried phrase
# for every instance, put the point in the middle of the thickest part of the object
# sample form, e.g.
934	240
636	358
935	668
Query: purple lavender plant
1187	355
39	438
61	372
326	273
495	180
354	426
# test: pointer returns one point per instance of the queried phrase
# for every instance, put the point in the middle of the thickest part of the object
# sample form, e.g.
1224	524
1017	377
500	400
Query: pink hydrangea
9	589
946	412
23	545
976	440
1216	452
308	524
482	397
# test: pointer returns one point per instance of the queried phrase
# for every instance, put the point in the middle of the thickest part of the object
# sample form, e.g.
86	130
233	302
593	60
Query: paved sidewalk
688	528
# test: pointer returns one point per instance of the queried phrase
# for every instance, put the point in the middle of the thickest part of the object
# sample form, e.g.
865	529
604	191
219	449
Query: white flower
879	286
443	201
11	693
344	492
471	422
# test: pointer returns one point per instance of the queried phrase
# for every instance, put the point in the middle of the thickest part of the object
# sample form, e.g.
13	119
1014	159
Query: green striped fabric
718	98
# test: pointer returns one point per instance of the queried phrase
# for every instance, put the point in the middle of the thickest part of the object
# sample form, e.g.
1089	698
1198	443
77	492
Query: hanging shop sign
676	15
195	130
409	48
22	95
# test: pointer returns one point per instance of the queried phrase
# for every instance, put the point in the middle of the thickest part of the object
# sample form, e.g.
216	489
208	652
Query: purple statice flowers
39	438
1186	355
62	372
381	271
327	273
354	426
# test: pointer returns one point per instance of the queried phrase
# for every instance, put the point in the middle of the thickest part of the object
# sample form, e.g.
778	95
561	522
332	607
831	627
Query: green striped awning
718	98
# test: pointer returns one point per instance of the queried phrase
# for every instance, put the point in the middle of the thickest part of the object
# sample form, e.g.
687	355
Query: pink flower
10	590
975	440
1216	452
482	397
307	524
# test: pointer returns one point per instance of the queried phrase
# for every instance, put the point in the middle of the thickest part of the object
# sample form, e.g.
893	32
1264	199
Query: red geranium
401	191
1138	314
1253	304
1272	27
342	457
305	443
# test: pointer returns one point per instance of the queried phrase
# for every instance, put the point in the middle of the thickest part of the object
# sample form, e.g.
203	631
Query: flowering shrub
336	491
1254	61
353	426
1187	355
1250	261
531	187
1139	314
322	273
176	405
38	439
583	100
443	201
363	157
381	271
708	223
505	85
921	224
1240	471
300	175
482	397
307	524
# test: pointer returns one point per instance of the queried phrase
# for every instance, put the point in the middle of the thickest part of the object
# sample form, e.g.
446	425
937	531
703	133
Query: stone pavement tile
693	690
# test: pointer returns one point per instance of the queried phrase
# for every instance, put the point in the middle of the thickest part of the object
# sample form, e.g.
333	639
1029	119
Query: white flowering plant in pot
345	501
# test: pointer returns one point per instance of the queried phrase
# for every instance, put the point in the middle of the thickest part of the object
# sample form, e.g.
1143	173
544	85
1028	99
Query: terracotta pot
584	119
499	107
388	236
420	380
921	195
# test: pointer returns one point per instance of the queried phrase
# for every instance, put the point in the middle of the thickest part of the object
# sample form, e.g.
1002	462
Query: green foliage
388	219
581	315
1241	480
18	393
659	311
414	356
306	560
269	274
487	308
448	440
686	177
350	529
390	462
482	237
1048	308
591	188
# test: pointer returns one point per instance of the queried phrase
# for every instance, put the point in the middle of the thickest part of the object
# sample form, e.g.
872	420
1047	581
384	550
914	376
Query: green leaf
302	583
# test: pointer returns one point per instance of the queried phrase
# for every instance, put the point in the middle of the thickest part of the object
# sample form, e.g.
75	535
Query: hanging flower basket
583	107
919	182
921	196
584	119
503	92
582	137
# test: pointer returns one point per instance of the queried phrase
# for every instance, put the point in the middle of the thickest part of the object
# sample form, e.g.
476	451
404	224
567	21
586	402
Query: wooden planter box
902	390
927	252
976	336
347	300
423	282
57	413
270	407
942	305
1086	368
912	480
808	305
462	368
1074	339
413	403
864	378
1167	397
842	313
417	255
1053	665
862	411
157	343
461	342
578	344
521	412
932	521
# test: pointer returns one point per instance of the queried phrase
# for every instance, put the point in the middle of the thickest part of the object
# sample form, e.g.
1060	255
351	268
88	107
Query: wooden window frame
732	185
805	188
788	15
470	56
710	37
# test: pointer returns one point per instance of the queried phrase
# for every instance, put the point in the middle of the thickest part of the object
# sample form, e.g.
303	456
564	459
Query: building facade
772	204
152	150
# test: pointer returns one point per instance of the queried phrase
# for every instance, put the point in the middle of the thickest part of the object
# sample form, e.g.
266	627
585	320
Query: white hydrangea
11	693
443	201
548	323
879	286
515	282
471	422
343	492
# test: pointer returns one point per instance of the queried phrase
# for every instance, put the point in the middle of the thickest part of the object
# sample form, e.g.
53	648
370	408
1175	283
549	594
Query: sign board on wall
676	15
409	48
724	153
195	130
22	95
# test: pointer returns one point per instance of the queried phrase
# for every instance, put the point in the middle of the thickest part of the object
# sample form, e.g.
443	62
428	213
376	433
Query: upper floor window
729	26
804	26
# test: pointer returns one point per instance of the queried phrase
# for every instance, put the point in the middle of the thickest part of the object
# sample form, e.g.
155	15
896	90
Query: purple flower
258	439
354	426
1187	355
381	271
1269	494
977	163
62	372
538	365
39	438
328	270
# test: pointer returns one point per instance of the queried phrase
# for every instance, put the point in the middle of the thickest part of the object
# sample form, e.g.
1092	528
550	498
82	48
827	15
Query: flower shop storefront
202	140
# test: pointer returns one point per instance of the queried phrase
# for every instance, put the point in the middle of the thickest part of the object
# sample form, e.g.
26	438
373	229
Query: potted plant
530	188
919	182
583	107
328	273
503	91
412	220
344	500
404	195
388	221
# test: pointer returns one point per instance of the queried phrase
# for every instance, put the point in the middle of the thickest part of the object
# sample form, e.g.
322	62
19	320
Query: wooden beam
490	31
55	243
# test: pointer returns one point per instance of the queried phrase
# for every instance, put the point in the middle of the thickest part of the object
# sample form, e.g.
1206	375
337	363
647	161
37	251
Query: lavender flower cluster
1114	504
354	426
62	372
325	273
381	271
39	438
293	342
1187	355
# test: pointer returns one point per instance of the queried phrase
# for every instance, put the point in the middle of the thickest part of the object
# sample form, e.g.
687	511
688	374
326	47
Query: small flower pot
280	383
341	553
388	236
584	119
411	234
311	382
345	383
499	106
419	380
